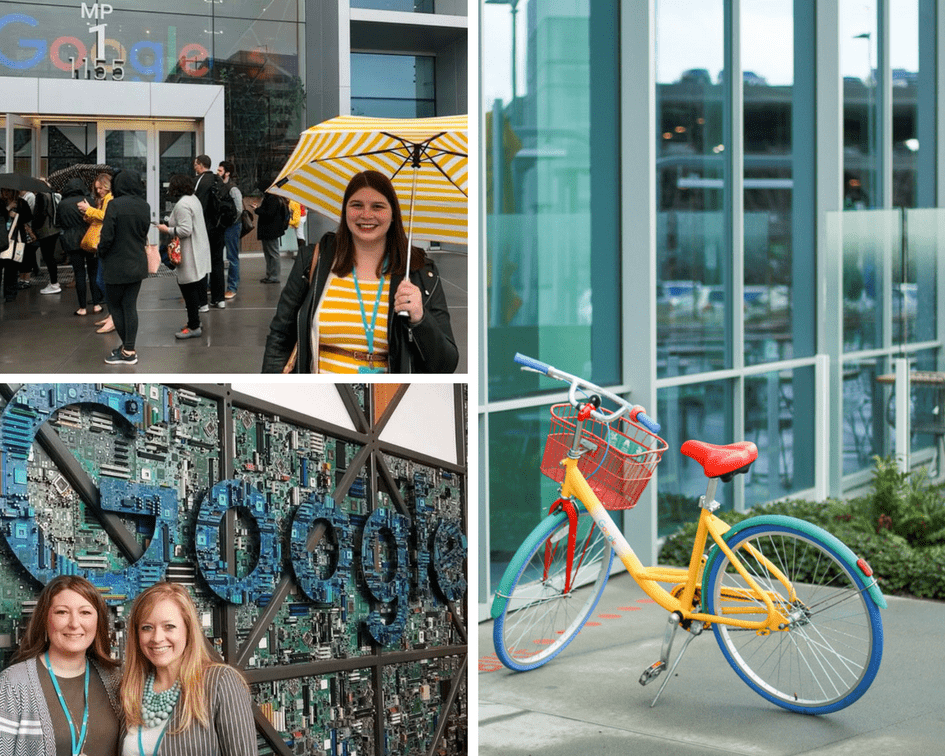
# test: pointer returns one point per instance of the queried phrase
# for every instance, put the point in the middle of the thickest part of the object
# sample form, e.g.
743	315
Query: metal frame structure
367	435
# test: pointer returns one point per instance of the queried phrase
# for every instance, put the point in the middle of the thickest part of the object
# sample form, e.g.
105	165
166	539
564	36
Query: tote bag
16	249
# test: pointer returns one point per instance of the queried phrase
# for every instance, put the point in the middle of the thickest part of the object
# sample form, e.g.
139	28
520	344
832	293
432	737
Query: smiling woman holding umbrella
330	317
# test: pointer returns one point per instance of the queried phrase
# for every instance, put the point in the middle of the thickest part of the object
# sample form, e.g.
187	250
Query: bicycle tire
534	619
831	652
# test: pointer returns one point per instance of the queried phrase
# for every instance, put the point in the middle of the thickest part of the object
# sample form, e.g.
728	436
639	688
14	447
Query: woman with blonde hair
95	217
59	697
176	699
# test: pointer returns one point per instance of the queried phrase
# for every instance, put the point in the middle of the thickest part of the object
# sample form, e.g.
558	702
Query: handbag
91	237
247	223
17	249
173	250
293	357
154	258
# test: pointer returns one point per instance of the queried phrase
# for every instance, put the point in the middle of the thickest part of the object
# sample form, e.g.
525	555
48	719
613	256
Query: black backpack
286	214
221	210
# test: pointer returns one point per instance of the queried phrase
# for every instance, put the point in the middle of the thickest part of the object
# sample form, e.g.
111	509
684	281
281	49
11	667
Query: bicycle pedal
652	672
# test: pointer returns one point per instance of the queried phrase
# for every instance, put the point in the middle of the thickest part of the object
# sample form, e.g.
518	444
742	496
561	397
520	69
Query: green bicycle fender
842	550
533	539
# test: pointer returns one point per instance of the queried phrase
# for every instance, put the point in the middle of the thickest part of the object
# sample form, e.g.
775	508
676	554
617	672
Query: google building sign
93	53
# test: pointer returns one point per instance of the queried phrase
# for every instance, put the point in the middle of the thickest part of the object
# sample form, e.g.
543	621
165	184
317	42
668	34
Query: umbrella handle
413	194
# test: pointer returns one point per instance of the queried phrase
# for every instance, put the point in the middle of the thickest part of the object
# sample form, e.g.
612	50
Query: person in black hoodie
121	251
272	213
71	221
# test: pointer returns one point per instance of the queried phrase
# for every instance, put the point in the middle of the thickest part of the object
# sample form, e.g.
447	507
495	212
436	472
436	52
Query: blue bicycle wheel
828	652
535	616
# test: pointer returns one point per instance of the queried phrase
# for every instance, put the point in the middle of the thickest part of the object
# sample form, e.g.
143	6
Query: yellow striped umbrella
426	158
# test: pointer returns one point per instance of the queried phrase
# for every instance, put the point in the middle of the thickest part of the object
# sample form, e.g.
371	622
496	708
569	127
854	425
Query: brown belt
367	357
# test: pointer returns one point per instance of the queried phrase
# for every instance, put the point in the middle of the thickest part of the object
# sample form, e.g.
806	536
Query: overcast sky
689	35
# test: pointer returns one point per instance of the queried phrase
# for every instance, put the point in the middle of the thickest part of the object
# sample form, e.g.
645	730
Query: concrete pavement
587	701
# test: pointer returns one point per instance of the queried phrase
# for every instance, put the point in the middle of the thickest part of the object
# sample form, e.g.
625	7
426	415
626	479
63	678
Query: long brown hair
36	639
195	660
395	252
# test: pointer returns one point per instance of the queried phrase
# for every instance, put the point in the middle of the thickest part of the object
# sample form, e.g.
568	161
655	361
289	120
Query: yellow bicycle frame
681	601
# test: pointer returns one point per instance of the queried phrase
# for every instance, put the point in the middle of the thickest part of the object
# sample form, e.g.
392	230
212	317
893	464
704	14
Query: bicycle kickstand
655	669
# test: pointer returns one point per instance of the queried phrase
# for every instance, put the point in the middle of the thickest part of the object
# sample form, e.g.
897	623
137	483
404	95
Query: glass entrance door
18	146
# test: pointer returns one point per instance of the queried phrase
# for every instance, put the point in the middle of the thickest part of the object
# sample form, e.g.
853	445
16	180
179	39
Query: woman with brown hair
176	699
60	695
330	310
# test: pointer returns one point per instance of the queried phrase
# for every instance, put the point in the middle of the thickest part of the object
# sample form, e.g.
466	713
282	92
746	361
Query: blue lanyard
76	742
369	329
160	738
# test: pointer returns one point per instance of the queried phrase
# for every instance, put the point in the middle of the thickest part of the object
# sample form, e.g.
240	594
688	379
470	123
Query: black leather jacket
427	347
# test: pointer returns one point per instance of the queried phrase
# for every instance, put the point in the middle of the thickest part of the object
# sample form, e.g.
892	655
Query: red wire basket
617	471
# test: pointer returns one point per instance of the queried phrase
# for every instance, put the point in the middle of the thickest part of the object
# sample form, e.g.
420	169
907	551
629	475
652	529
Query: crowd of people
64	693
329	318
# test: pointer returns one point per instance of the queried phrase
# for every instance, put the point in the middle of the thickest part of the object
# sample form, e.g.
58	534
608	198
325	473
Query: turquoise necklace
155	709
369	329
77	741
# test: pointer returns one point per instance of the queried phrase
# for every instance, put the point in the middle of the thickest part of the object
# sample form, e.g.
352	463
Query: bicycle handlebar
635	411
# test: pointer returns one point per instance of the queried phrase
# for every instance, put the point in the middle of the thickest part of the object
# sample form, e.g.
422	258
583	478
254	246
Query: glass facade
778	313
552	196
693	273
393	86
253	51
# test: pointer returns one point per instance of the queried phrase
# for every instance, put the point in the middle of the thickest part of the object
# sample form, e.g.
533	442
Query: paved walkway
587	701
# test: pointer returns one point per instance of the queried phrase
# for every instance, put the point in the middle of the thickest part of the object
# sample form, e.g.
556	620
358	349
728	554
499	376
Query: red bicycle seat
722	461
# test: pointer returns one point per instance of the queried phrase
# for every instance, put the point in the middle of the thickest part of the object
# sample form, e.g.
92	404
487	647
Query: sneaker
118	357
221	305
268	280
203	308
23	285
189	333
53	288
230	295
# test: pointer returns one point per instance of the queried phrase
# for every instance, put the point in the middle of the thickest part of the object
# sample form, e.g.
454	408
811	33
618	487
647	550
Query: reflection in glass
404	6
770	422
925	236
67	144
871	241
127	150
865	431
552	191
177	152
519	495
858	57
393	86
768	59
701	412
691	293
904	54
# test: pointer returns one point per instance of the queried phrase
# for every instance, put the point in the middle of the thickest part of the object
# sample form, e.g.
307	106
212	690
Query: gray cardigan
25	725
186	222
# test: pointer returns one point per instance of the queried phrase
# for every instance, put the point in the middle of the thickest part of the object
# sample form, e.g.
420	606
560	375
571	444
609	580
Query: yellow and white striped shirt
340	324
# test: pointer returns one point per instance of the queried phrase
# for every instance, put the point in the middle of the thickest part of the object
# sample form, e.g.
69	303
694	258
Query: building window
393	86
404	6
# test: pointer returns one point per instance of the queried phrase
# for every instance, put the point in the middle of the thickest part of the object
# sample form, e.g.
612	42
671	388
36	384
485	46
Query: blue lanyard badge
77	741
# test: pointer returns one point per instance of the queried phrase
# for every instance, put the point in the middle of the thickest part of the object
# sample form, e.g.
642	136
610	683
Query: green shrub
898	527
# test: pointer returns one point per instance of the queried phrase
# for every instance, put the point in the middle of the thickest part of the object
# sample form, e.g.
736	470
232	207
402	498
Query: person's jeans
231	238
271	253
217	275
82	262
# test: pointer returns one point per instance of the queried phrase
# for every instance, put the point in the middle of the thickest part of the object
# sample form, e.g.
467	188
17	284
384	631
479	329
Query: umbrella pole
413	194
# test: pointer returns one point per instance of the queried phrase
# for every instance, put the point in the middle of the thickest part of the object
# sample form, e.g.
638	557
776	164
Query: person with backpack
231	236
47	234
273	215
211	193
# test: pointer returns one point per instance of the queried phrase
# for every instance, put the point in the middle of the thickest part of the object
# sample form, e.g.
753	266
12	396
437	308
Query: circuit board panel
314	557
